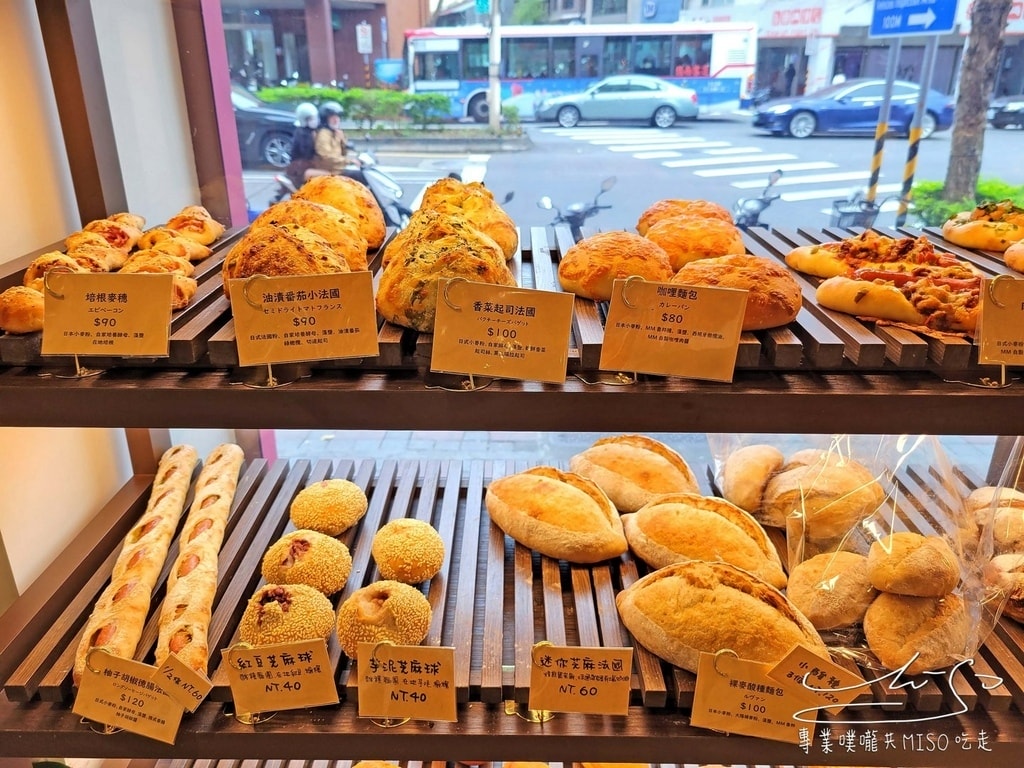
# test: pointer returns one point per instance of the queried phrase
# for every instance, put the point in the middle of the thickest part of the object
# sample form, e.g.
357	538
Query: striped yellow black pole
876	158
908	174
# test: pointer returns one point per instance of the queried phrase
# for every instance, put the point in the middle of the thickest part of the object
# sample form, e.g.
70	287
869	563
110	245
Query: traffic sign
364	38
899	18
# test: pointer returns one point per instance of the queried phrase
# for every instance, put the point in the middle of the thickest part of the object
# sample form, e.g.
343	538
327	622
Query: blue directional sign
898	18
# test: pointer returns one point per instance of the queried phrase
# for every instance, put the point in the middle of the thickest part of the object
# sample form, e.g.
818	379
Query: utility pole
494	69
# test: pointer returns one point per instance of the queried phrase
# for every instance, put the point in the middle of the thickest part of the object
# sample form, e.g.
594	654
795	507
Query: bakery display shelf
492	601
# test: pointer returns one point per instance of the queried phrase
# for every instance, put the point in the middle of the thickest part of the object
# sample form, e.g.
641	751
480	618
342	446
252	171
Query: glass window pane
617	55
475	54
527	58
563	57
692	56
653	55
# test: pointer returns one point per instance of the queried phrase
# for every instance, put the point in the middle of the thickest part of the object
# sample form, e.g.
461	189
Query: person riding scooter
330	145
303	154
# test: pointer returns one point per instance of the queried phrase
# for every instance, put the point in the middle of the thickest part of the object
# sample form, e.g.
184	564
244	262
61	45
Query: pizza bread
867	250
1014	256
989	227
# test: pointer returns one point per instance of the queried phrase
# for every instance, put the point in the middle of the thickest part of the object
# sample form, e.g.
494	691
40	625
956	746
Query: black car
1007	111
264	132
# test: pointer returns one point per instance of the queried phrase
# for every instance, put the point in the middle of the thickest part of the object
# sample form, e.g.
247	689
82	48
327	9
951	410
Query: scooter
747	211
575	214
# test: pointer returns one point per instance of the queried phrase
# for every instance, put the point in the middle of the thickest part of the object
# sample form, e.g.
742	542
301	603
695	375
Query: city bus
716	59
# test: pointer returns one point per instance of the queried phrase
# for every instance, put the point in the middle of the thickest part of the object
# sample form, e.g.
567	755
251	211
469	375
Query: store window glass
618	53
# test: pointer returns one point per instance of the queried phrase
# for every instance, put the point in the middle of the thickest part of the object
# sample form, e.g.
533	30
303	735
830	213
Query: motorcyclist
307	120
330	145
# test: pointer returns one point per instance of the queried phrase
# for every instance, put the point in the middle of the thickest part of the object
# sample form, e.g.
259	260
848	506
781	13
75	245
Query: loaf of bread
475	203
745	474
924	633
669	208
633	470
909	563
338	228
119	615
687	526
590	267
192	583
351	197
559	514
832	589
998	508
773	296
689	238
682	610
21	310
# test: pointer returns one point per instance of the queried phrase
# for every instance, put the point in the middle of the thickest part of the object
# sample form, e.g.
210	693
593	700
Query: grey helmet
329	108
306	116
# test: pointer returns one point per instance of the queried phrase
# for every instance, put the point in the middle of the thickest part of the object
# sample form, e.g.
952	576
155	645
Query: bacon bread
118	618
192	583
868	250
989	227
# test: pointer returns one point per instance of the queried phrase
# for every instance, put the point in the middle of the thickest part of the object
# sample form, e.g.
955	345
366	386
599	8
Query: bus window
563	57
588	65
617	55
693	54
475	55
653	55
436	66
527	58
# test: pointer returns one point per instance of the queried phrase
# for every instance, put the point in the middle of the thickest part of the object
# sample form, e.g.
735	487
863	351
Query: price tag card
1001	331
269	678
507	333
107	314
673	330
822	683
121	693
182	683
588	680
737	696
413	681
310	317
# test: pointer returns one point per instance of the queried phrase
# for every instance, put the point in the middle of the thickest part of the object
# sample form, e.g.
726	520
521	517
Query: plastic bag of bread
999	511
878	560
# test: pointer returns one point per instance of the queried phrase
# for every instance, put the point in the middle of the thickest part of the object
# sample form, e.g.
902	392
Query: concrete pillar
322	66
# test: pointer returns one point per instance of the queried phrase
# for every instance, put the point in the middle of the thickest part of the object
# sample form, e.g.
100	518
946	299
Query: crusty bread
899	628
338	228
1006	574
689	237
591	266
909	563
1000	508
476	203
685	609
559	514
21	310
687	526
832	589
668	208
351	197
634	469
1014	256
745	473
773	296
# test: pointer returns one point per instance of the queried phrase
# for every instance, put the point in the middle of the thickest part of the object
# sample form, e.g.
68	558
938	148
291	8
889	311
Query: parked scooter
747	211
575	214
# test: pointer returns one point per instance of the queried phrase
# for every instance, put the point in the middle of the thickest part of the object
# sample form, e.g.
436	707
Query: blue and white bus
716	59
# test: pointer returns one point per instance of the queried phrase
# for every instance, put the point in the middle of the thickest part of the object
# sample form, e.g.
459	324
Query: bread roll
408	550
832	589
559	514
678	527
773	296
195	223
351	197
908	563
981	234
1014	256
928	632
474	202
685	609
286	613
688	238
667	209
745	473
120	234
308	557
21	310
633	470
1000	508
1006	574
589	267
328	506
385	611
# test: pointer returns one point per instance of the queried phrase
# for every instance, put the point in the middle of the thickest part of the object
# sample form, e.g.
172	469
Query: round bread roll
923	632
1014	256
678	527
829	499
21	310
474	202
559	514
773	296
589	267
336	227
745	473
685	609
907	563
308	557
351	197
832	589
633	470
1006	573
286	613
385	611
667	209
408	550
688	238
328	506
1000	508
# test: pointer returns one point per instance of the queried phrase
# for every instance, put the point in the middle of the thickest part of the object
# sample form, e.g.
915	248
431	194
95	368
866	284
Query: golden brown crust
666	209
337	227
687	526
195	223
908	563
385	611
21	310
559	514
155	262
308	557
408	550
685	609
119	234
286	613
473	201
988	227
689	238
131	219
351	197
109	258
1014	256
39	266
328	506
832	589
589	267
745	473
634	469
899	628
183	247
773	296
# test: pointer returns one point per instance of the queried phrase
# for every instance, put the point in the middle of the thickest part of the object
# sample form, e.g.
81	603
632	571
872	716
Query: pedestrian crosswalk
744	166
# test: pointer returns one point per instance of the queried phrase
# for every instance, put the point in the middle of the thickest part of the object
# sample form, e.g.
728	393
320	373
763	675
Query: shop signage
407	681
364	38
792	19
899	18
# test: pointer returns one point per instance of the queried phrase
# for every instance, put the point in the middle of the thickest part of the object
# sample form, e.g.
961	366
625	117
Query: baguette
118	618
192	583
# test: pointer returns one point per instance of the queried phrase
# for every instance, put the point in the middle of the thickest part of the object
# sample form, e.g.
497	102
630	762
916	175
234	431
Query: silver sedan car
623	97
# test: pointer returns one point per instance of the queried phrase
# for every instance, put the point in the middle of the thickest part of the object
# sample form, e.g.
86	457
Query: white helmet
306	115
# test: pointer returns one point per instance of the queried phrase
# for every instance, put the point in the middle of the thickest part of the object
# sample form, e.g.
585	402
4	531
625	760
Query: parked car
1007	111
853	108
623	97
264	132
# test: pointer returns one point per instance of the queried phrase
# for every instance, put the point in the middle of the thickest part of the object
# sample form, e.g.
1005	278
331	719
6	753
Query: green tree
977	78
530	12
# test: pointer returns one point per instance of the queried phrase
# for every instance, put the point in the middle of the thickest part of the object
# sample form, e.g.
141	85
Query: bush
932	211
368	106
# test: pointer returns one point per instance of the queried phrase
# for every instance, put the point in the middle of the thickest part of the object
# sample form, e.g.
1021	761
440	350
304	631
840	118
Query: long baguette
192	584
118	618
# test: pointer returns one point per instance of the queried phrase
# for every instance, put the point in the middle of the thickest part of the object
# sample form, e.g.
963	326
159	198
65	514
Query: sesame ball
329	506
383	611
308	557
408	550
286	613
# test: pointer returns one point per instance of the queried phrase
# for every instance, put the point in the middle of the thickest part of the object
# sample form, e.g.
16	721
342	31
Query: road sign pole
883	120
927	70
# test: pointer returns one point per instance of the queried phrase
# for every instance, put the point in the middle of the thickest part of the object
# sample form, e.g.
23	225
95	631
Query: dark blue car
852	108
